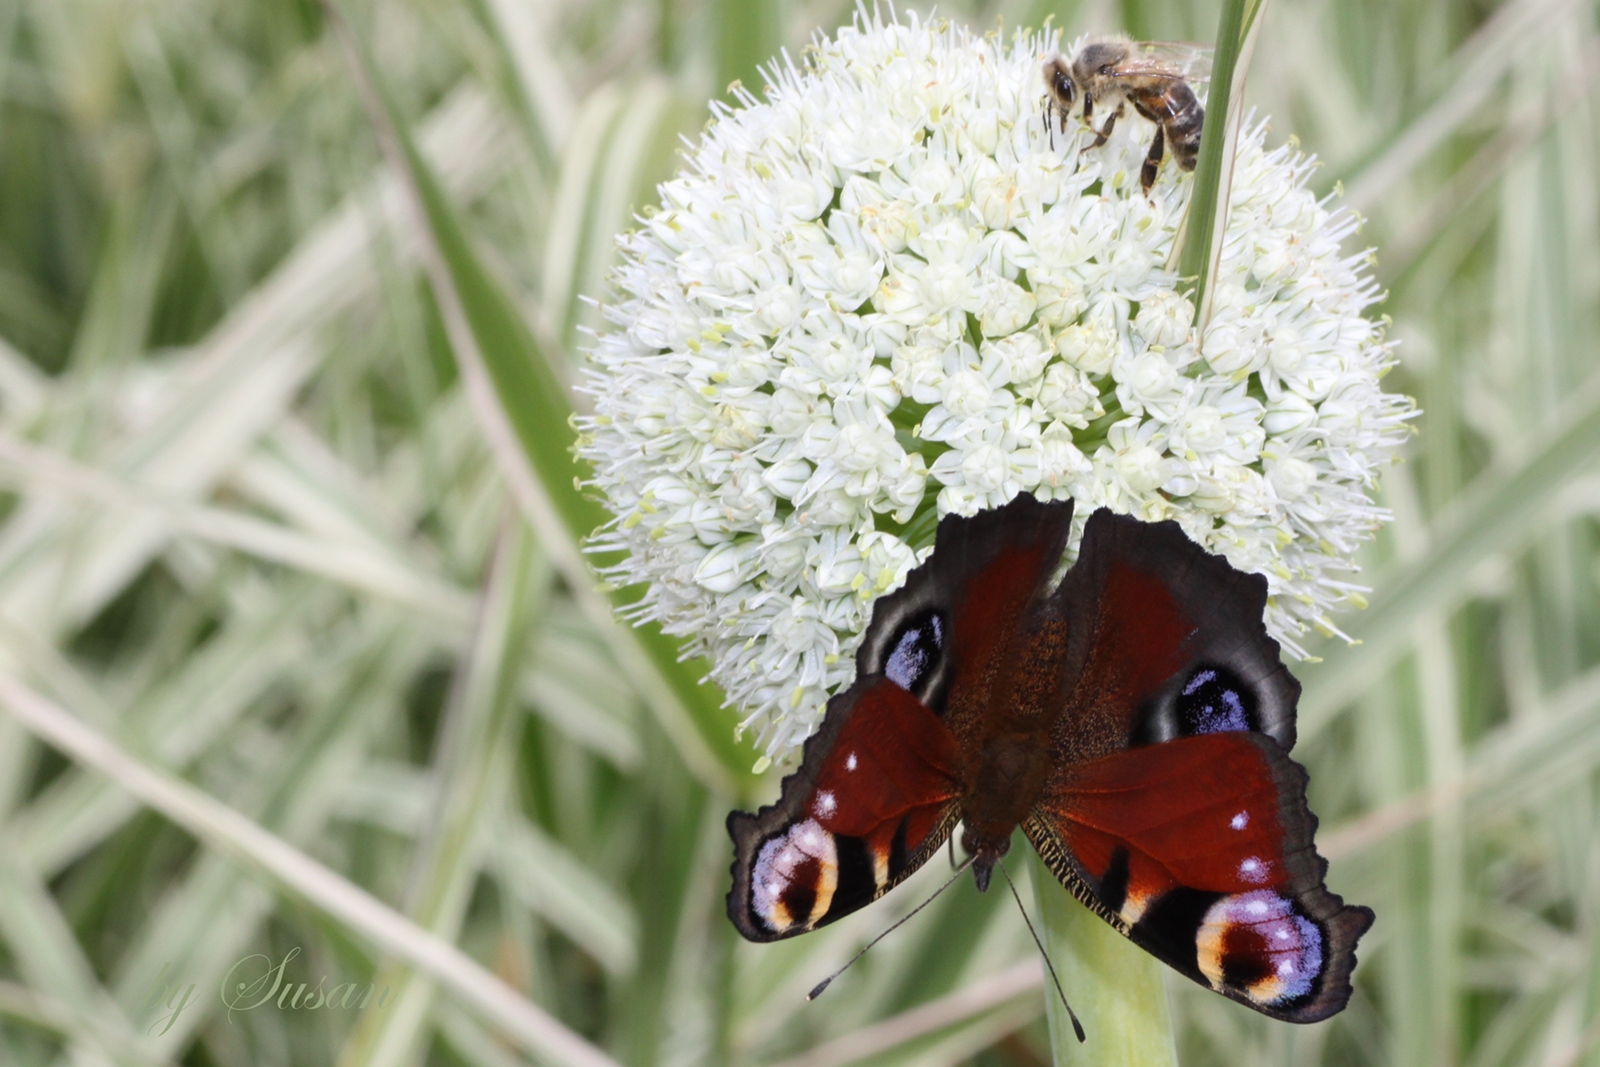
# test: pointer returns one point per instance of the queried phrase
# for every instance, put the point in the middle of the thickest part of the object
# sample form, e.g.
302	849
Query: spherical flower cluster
890	291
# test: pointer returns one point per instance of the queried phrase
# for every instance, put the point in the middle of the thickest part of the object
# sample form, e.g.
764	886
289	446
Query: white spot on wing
1240	821
1253	869
825	805
850	762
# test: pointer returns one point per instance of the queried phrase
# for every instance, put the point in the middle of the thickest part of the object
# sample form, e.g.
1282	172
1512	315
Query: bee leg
1152	161
1104	132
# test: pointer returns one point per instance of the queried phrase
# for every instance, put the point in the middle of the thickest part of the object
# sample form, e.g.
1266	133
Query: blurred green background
263	536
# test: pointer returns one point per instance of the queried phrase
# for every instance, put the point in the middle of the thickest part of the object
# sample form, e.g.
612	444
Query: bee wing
1166	59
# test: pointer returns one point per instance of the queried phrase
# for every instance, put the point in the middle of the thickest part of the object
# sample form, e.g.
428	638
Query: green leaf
520	392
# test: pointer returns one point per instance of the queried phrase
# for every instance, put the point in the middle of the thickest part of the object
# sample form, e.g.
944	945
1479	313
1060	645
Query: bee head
1058	81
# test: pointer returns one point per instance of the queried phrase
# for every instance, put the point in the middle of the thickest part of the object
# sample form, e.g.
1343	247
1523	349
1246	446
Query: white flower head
889	292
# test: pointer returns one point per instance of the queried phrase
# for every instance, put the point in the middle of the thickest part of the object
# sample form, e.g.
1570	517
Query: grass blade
226	830
524	410
1208	200
1494	515
472	767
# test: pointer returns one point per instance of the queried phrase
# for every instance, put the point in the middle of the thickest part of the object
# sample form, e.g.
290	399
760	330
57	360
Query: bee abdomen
1183	128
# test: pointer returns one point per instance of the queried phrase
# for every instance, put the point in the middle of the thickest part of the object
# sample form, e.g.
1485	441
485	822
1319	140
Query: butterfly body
1133	720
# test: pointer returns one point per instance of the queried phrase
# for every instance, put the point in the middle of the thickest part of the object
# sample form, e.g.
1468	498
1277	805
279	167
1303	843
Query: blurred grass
254	536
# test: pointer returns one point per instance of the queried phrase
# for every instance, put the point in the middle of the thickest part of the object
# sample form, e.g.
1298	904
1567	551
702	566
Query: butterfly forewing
959	613
1158	628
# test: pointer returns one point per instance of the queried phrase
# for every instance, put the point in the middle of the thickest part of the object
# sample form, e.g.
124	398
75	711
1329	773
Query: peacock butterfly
1135	721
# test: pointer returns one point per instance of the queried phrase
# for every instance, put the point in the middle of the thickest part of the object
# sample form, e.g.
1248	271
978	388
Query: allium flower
887	293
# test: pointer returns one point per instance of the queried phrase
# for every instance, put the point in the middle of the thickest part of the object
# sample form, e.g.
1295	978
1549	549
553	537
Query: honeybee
1153	77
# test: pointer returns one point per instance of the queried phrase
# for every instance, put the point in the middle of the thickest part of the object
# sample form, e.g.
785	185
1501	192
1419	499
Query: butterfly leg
1152	161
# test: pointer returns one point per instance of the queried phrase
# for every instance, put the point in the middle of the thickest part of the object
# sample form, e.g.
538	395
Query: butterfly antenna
1077	1027
817	992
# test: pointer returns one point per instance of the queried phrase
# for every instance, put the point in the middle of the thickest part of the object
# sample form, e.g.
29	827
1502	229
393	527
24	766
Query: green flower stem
1116	988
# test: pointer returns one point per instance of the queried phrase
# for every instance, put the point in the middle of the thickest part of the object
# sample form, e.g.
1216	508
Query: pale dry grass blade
992	1006
174	723
578	176
471	770
202	923
1477	70
48	954
365	567
232	389
226	830
1494	515
556	886
525	30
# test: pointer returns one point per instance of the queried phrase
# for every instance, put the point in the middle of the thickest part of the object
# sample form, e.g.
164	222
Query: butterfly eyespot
794	877
1261	944
1208	699
1213	699
915	653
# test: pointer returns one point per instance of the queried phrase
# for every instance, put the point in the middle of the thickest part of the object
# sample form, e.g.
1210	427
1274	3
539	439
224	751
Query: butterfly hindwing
1200	850
1174	811
873	798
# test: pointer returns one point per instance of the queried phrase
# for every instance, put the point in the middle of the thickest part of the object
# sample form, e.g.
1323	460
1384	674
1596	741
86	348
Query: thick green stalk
1116	988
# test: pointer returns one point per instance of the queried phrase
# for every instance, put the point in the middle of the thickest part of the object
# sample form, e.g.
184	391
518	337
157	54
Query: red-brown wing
1200	850
877	789
1166	640
1178	725
872	799
944	633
